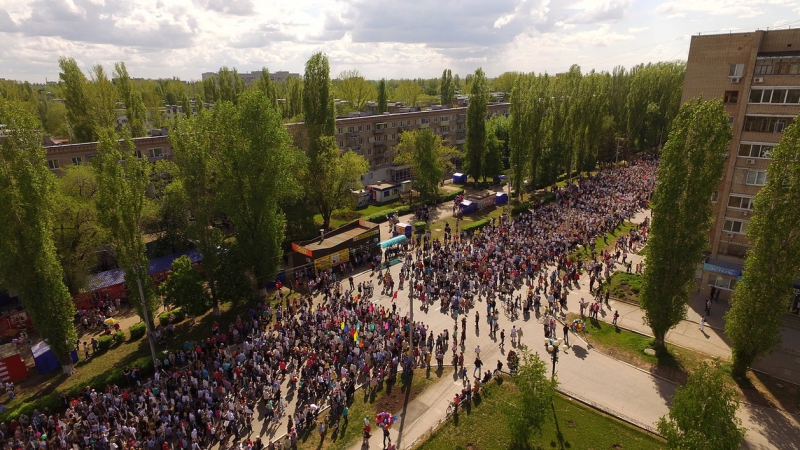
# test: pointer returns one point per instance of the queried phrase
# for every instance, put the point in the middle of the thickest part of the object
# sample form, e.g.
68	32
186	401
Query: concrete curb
648	429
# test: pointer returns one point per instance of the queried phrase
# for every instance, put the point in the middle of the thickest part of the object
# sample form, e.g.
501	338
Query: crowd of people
320	346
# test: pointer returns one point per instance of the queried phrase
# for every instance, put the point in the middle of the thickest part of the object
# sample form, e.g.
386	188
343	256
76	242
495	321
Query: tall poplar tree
135	111
383	97
428	157
318	107
123	178
447	89
691	165
266	86
256	168
476	126
29	264
353	88
77	99
765	292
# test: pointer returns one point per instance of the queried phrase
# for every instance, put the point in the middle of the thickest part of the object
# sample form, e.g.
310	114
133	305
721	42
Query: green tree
29	264
123	179
703	413
210	91
186	105
266	86
408	92
55	121
227	85
184	288
428	157
493	159
294	96
256	167
505	82
103	100
475	152
318	107
654	96
765	292
691	165
77	234
532	408
78	101
447	91
354	89
135	111
383	97
338	173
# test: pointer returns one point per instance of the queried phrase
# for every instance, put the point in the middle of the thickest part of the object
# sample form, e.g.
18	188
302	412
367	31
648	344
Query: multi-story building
253	76
757	76
59	156
375	136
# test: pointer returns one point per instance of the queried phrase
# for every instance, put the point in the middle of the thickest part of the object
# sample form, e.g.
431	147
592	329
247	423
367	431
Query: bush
477	225
452	195
521	208
138	331
174	316
119	337
420	226
105	343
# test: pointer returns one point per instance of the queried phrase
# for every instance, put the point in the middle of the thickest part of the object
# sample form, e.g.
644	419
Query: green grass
601	244
572	425
368	211
488	214
624	286
367	406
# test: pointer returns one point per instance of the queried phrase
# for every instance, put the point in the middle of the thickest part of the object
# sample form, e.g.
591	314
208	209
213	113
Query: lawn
603	244
368	211
624	286
572	425
390	397
677	363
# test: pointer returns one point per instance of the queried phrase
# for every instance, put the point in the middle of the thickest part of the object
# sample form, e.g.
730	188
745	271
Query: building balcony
461	141
445	123
379	143
461	118
352	134
424	125
379	131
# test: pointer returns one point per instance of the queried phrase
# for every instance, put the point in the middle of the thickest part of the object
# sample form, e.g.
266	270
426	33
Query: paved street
595	378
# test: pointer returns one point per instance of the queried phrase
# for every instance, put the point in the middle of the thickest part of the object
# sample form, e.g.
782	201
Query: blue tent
395	240
501	198
46	361
459	178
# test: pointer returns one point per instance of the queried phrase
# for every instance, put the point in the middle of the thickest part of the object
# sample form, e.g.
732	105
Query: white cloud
380	38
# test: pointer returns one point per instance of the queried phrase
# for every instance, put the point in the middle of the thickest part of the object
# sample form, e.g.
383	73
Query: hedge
119	337
477	225
174	316
105	343
383	216
138	331
420	226
521	208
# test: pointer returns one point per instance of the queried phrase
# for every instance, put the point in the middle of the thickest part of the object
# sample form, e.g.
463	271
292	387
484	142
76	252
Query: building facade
375	136
757	76
153	148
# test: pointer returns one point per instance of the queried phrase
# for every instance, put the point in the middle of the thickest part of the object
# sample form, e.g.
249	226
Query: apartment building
375	136
59	156
757	75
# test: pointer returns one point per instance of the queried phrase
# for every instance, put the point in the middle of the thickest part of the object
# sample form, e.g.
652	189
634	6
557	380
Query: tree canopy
428	157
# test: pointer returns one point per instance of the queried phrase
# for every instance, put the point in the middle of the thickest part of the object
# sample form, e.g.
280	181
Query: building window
764	124
368	127
735	226
777	66
425	120
138	154
339	130
360	128
156	152
341	144
776	96
78	161
722	282
740	202
394	136
351	129
369	151
52	164
755	150
756	177
730	97
736	70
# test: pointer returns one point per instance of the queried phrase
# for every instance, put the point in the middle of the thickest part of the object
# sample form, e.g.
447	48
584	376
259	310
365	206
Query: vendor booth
483	199
12	366
384	192
336	246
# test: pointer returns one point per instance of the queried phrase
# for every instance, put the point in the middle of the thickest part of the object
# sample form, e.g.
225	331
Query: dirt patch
396	395
616	446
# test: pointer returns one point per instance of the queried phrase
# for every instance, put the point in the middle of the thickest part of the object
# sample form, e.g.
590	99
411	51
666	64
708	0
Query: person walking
703	324
616	316
502	338
566	334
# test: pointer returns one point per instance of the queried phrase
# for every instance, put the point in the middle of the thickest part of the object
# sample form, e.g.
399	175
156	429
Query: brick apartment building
372	135
375	136
757	74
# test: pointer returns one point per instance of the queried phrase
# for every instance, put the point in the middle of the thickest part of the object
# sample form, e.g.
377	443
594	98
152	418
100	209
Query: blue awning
723	267
393	241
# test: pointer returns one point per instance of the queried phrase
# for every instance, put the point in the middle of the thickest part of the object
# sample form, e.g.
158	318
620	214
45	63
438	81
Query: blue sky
379	38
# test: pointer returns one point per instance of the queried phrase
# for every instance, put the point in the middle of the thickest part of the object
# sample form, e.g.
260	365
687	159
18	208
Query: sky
379	38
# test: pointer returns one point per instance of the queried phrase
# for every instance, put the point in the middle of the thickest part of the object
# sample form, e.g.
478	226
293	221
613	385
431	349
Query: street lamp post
146	318
554	346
